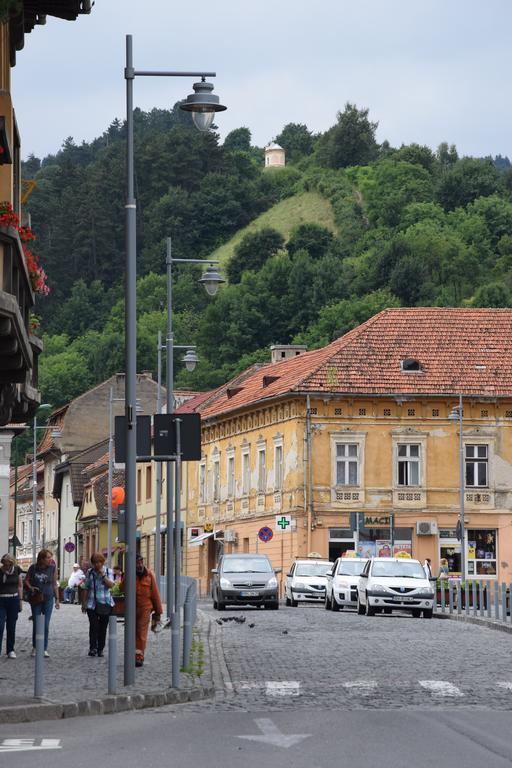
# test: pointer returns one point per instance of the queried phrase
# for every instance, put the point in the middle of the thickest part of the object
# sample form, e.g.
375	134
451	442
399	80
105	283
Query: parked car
306	581
394	584
244	580
342	580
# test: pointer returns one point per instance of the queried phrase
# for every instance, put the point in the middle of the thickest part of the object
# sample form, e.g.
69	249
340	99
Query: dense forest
412	226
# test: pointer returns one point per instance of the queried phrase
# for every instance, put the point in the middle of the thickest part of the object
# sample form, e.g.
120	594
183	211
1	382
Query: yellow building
359	435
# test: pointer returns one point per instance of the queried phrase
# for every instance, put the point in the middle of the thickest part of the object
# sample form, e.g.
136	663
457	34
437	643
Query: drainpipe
309	473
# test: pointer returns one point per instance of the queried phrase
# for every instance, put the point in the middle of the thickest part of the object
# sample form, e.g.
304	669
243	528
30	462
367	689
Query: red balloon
117	496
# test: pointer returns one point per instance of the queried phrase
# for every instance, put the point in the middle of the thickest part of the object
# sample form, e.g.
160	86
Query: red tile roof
466	351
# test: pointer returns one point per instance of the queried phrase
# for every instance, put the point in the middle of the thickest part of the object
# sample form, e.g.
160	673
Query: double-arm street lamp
55	433
203	105
456	414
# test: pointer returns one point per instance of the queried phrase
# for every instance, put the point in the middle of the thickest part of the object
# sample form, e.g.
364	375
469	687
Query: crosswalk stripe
363	687
283	688
506	685
441	688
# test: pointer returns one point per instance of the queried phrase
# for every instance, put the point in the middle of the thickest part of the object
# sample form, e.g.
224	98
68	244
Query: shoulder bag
100	609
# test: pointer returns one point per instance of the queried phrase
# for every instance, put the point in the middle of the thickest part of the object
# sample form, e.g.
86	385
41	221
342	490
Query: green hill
306	208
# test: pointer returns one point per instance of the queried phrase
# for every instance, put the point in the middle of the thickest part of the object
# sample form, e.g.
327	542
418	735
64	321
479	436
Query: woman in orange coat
147	602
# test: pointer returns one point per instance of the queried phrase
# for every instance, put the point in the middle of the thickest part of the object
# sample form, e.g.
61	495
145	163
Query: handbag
36	598
100	609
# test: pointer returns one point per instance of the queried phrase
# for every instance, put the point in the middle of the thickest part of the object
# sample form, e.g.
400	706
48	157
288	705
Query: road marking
26	745
441	688
506	685
272	735
283	688
363	687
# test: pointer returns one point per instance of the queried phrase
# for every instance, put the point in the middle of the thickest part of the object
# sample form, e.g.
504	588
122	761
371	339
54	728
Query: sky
428	70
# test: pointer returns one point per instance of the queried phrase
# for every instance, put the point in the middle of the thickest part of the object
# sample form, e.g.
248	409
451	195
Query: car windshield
350	567
246	565
312	569
404	568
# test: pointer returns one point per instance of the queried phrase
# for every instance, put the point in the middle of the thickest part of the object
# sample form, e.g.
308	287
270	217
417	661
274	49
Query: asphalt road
312	689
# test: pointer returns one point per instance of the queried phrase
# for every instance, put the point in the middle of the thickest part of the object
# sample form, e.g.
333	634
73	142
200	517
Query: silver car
244	580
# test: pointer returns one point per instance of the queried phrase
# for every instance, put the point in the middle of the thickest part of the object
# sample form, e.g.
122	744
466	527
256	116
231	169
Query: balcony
19	349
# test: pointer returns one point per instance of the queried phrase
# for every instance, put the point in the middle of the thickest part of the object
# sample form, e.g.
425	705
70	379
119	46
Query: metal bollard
489	600
459	598
39	666
443	597
481	595
496	601
175	648
450	597
504	602
187	633
112	655
466	598
473	592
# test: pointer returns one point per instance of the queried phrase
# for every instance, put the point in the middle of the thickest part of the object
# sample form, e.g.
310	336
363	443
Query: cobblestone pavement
307	657
70	674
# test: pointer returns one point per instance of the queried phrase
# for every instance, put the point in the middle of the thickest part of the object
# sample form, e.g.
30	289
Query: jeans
97	631
9	609
46	609
69	595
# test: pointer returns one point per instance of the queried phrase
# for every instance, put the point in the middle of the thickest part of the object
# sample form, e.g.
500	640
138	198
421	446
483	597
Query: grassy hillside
308	207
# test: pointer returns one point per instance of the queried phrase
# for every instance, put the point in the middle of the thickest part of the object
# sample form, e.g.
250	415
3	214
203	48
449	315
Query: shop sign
208	527
376	522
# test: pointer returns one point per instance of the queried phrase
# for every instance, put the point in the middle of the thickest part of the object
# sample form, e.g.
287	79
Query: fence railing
485	598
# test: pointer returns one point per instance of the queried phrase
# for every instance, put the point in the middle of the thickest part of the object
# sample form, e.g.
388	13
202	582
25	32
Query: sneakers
11	655
92	652
46	655
139	661
100	654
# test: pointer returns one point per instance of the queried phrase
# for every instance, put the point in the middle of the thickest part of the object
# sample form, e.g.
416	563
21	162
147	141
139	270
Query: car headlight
424	591
300	585
272	582
379	588
225	583
344	584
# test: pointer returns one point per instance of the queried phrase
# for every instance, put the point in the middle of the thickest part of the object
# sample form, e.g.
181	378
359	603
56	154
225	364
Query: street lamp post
456	415
203	105
34	483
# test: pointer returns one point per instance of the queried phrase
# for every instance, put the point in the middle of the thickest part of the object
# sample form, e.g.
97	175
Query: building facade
355	446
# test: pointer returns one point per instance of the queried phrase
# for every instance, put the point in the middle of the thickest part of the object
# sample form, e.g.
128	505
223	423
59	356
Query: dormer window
410	365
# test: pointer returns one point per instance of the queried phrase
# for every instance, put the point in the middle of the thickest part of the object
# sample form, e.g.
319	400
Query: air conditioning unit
230	536
426	527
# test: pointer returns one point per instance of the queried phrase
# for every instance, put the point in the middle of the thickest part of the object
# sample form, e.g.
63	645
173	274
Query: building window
262	471
202	483
481	552
216	480
278	468
246	474
476	466
148	483
408	464
139	486
347	464
231	476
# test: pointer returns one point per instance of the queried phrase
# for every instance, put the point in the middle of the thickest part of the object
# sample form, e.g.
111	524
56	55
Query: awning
199	539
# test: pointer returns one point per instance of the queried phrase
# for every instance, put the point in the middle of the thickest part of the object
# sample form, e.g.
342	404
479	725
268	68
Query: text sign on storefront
376	522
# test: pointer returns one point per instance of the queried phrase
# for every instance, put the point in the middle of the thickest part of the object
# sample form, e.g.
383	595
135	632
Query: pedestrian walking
97	601
75	579
11	593
147	602
41	581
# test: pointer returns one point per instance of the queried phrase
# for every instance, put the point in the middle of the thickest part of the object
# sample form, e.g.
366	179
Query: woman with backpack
97	600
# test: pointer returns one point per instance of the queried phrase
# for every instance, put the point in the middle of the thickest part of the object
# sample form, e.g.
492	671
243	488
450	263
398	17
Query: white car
394	584
341	587
306	581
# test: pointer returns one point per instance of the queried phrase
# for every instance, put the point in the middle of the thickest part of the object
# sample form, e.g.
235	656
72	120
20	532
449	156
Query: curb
46	710
486	623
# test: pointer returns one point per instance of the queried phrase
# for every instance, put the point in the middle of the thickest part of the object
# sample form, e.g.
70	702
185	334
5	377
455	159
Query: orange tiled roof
466	351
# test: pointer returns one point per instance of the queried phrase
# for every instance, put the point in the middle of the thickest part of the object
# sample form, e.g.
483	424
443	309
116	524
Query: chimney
279	352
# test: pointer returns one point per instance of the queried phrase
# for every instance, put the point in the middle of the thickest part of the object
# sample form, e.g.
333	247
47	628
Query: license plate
403	599
248	594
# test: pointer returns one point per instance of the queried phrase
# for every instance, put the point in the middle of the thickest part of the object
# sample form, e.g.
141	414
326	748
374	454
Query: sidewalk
76	684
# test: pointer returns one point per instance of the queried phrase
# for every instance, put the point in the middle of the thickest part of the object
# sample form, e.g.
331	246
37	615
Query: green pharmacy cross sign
283	522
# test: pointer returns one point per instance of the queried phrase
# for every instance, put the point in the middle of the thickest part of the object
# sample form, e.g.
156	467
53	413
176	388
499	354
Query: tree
253	251
465	181
492	295
296	140
417	155
391	186
312	238
350	142
238	140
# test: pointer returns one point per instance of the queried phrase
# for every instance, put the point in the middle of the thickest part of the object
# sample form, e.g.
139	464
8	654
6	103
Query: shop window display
481	552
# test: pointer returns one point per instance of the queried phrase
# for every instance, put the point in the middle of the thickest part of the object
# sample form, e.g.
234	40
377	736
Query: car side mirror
278	570
215	570
328	573
364	575
289	574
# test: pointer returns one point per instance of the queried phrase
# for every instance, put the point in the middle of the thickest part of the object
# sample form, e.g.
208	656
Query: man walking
147	602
